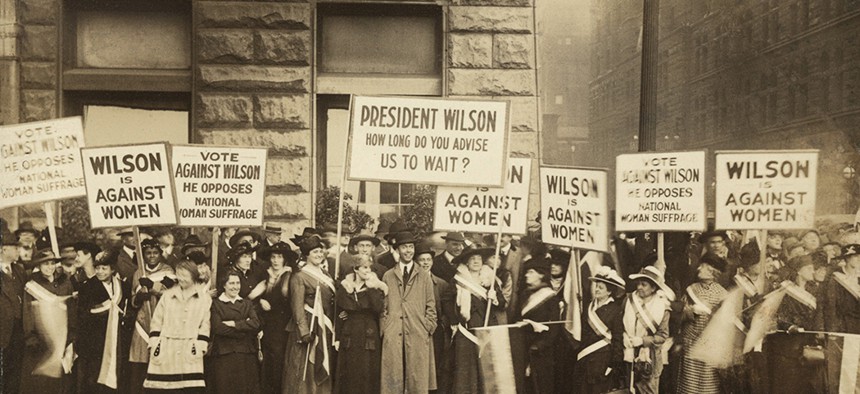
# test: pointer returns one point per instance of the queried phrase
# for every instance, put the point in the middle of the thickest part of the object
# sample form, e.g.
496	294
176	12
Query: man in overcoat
12	280
407	324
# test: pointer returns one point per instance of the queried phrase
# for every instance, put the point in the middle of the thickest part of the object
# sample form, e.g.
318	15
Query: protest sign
660	192
483	209
219	186
766	189
428	141
129	185
574	209
41	162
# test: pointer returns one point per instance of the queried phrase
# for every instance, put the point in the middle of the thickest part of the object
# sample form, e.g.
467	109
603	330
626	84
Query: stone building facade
738	75
257	72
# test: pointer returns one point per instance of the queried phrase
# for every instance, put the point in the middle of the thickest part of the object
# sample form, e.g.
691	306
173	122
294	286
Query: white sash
643	314
471	287
537	299
326	321
107	371
697	301
746	285
322	278
843	280
463	330
41	295
801	295
599	327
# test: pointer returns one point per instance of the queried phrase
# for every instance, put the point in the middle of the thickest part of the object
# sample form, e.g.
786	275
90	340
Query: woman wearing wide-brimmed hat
700	301
476	287
273	293
600	358
646	328
311	290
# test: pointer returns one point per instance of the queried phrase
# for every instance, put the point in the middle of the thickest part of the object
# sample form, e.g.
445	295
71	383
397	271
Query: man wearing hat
407	323
364	244
126	256
26	234
600	359
443	264
101	301
390	258
380	234
272	235
12	280
700	302
194	244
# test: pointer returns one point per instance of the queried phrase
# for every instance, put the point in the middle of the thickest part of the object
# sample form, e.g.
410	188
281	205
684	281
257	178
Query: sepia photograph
430	196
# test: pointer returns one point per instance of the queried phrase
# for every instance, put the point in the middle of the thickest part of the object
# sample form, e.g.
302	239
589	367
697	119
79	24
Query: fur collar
349	284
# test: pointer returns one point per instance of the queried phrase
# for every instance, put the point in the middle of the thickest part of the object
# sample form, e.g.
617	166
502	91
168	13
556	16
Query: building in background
261	73
737	75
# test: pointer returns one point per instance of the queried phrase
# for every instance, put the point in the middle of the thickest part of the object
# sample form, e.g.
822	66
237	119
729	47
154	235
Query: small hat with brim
239	250
363	237
653	274
193	241
45	256
281	248
399	226
467	254
423	248
541	266
308	244
404	238
713	260
454	236
243	233
609	276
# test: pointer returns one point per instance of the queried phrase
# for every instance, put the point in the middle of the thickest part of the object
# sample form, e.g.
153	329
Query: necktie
406	274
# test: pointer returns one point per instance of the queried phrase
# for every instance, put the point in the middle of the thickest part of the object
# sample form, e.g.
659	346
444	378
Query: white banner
41	162
660	192
428	141
129	185
766	189
219	186
483	209
574	209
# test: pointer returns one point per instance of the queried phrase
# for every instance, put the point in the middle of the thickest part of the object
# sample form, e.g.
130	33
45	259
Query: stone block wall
38	56
491	55
252	85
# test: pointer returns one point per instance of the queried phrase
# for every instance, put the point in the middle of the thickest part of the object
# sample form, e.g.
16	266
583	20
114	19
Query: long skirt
296	381
466	377
698	377
175	363
236	373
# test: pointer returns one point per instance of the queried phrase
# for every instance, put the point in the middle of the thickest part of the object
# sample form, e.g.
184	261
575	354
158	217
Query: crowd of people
385	313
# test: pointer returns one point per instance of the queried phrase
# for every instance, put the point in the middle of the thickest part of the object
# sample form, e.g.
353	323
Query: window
371	49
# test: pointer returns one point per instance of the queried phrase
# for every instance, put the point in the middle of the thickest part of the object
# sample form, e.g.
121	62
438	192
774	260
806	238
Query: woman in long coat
539	304
49	327
308	366
600	358
476	286
700	302
234	340
179	334
646	328
362	296
785	349
273	294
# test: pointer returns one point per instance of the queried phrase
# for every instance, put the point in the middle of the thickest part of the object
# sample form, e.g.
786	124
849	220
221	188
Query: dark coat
239	339
443	268
593	367
11	301
126	264
386	260
538	348
841	309
360	353
91	343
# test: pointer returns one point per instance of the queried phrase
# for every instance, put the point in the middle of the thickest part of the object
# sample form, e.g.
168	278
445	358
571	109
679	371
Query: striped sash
471	287
537	299
643	314
107	371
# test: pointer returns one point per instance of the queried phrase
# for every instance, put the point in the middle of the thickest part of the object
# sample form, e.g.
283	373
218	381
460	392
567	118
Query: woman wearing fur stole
361	295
